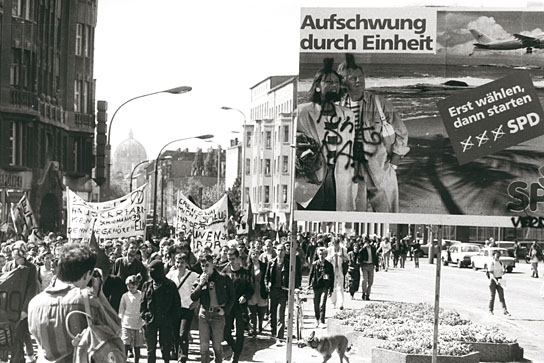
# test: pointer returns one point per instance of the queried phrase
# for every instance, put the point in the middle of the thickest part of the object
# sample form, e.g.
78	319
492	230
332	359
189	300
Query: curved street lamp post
202	137
242	179
174	91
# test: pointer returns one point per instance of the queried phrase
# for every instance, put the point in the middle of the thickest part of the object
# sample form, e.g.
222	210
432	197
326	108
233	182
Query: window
268	144
77	96
22	8
83	39
267	166
260	193
248	139
286	133
266	194
248	167
79	38
285	167
284	193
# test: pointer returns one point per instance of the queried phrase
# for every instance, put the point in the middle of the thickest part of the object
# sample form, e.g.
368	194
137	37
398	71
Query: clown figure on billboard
325	135
381	140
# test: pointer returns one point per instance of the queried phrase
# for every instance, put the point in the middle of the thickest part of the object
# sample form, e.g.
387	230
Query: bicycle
299	316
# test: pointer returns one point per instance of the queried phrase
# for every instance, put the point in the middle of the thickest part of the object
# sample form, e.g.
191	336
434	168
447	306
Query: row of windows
266	167
262	194
28	146
266	137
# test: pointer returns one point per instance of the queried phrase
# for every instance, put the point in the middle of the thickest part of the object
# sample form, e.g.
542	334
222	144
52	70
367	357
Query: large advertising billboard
420	111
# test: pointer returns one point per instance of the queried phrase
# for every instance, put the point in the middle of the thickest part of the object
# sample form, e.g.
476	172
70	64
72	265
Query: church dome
127	154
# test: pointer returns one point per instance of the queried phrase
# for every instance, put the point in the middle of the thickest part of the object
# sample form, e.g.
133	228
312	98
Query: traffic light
101	141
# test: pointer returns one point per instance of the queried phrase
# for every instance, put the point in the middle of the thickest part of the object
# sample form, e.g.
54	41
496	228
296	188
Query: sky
219	48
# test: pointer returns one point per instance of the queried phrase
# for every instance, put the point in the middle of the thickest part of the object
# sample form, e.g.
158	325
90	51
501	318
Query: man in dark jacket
369	262
322	281
277	282
159	309
216	294
243	288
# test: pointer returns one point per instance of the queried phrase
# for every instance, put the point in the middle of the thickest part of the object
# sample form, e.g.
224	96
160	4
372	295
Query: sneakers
317	324
491	312
506	313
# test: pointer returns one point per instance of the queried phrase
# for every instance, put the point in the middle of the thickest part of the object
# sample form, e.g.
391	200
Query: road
464	290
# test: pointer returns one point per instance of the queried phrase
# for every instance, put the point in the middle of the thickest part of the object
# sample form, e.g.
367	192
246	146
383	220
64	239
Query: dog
327	345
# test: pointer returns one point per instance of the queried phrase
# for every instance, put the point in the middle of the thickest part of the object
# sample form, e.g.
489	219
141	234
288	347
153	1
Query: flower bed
408	328
389	356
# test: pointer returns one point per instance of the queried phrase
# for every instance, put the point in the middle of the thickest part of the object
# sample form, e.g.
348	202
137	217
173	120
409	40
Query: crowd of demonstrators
155	289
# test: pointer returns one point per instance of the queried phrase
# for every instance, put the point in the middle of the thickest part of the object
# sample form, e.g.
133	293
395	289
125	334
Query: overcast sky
219	48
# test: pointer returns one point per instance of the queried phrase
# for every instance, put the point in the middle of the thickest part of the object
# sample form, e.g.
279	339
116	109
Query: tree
210	164
198	163
235	196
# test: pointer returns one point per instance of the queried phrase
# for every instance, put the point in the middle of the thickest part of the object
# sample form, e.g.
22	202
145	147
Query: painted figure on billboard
381	139
325	136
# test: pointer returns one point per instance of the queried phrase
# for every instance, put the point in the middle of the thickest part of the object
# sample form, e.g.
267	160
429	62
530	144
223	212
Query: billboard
383	111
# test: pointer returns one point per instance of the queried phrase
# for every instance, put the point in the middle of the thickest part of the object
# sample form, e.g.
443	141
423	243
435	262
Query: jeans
498	288
320	303
257	312
166	335
278	304
368	277
184	329
235	318
211	326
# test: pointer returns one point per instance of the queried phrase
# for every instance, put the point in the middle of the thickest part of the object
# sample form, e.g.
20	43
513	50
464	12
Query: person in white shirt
385	249
337	254
496	271
184	280
131	322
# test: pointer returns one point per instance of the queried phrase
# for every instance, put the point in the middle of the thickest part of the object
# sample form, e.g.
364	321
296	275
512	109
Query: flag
23	217
102	260
245	225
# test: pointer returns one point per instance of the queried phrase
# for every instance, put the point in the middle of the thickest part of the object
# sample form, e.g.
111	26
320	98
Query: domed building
127	155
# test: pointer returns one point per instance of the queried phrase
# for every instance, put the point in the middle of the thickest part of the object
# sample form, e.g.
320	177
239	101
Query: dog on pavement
327	345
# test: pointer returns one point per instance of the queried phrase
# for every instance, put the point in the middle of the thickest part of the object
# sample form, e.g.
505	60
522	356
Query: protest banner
120	218
203	226
412	59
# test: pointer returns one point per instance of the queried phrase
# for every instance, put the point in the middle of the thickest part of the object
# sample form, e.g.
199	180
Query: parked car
509	245
424	248
483	259
460	254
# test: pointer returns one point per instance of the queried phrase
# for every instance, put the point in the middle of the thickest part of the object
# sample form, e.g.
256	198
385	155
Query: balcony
84	121
23	99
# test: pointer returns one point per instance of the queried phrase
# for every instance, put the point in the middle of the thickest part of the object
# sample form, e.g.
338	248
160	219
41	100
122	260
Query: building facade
47	89
129	154
268	154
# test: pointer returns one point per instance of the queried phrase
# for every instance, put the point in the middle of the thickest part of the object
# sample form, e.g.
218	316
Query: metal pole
202	137
293	252
133	170
436	302
177	90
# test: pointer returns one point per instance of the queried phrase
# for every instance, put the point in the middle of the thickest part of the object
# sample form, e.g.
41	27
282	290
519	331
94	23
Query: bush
408	328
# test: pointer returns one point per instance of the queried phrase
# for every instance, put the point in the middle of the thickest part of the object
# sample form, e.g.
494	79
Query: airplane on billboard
517	42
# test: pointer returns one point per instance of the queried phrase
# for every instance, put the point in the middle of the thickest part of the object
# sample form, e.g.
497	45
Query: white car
460	254
483	259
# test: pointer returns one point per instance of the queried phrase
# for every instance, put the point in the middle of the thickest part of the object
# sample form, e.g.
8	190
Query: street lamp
174	91
132	173
243	184
202	137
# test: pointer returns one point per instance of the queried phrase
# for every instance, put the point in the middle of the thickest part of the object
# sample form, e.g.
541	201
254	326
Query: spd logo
526	195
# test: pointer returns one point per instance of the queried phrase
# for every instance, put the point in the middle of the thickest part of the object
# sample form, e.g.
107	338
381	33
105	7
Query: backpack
96	343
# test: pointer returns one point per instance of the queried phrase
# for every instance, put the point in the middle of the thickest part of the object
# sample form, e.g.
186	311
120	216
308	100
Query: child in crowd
131	322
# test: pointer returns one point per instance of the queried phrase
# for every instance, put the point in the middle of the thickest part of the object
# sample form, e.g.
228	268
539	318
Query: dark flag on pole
245	224
102	260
